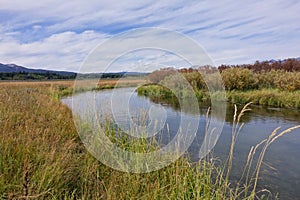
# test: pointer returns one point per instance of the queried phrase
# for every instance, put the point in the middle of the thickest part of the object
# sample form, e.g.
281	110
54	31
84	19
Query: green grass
161	93
266	97
275	88
42	157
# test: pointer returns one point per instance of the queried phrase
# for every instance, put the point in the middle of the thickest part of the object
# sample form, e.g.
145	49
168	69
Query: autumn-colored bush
267	79
159	75
279	79
289	65
239	79
195	79
289	81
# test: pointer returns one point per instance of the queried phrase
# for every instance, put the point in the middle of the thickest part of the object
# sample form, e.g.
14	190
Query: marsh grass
266	97
42	157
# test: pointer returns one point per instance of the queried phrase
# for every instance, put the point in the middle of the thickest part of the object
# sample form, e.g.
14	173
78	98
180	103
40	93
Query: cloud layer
54	35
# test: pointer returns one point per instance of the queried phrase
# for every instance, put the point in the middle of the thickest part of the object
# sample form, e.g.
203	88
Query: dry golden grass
42	157
68	82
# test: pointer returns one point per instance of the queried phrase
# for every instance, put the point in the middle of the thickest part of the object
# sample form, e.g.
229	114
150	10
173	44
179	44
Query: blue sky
60	34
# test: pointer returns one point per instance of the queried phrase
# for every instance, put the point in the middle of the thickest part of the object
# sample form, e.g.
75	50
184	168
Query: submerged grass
42	157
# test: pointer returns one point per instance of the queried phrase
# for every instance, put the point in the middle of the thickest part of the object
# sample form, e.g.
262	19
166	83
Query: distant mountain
283	60
16	72
12	68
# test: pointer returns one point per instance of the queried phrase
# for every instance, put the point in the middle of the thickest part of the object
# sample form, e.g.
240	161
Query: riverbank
42	157
60	88
264	97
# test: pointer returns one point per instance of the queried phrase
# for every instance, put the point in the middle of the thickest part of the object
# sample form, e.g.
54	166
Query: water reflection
267	112
281	171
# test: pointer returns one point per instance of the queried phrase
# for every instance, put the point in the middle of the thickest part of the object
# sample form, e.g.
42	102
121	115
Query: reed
42	157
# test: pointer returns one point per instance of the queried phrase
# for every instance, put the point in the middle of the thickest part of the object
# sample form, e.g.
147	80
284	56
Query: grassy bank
260	84
60	88
264	97
42	157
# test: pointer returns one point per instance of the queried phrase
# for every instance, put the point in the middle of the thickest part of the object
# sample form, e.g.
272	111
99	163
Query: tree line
58	76
33	76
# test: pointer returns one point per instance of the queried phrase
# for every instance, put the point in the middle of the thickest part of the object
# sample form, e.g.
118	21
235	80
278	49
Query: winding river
281	170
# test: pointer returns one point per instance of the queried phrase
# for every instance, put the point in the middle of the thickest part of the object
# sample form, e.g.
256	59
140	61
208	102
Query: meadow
42	157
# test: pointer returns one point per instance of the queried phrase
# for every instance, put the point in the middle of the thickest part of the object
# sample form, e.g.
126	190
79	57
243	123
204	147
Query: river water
281	170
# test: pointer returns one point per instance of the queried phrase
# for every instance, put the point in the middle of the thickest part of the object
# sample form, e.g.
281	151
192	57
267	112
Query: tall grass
266	97
276	88
41	157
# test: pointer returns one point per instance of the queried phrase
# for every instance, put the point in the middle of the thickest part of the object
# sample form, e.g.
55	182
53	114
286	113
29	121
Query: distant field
60	88
71	82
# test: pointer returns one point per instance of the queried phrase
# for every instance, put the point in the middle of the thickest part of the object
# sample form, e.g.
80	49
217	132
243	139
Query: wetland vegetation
42	157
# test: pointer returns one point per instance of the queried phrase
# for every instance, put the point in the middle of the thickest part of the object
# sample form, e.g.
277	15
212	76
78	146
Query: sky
60	35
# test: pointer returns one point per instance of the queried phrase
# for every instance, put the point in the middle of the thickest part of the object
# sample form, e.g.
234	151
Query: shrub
239	79
289	81
158	75
196	80
266	79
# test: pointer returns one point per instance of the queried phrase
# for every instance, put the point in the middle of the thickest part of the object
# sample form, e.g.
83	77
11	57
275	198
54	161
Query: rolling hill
12	68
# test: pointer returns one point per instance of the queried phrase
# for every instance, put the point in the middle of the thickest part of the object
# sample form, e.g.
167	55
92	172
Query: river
281	170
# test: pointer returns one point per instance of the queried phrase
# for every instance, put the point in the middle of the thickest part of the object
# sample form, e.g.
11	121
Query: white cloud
64	51
55	35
